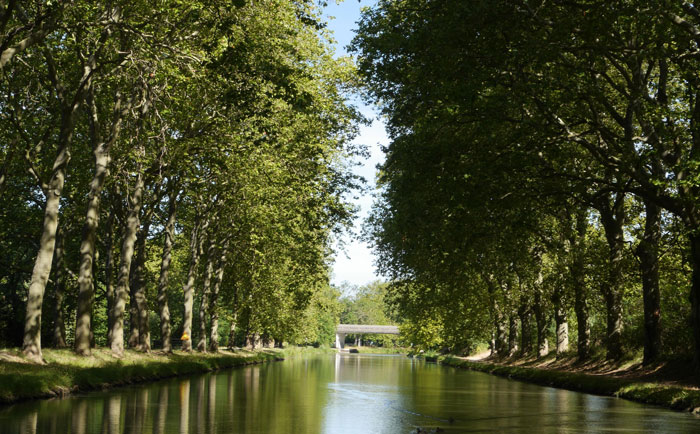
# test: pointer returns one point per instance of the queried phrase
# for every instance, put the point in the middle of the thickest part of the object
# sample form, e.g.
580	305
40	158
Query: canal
346	393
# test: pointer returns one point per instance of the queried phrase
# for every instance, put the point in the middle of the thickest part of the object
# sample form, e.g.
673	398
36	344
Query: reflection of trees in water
79	416
112	414
136	409
211	402
28	423
161	411
284	397
200	423
293	397
184	389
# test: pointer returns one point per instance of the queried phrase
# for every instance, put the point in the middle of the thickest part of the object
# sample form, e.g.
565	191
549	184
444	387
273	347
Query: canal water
343	393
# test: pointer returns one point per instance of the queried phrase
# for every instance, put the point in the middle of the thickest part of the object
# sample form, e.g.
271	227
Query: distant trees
367	304
187	158
543	164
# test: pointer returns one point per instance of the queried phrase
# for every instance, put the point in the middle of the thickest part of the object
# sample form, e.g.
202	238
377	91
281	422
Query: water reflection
161	411
184	409
340	393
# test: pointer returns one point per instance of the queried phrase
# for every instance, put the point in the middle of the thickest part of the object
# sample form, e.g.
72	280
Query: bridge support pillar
339	341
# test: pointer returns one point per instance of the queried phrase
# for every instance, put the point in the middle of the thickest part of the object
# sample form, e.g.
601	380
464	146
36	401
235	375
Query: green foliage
237	111
529	145
368	304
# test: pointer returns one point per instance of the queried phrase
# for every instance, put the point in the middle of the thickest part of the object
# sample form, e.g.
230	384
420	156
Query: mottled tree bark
86	289
232	331
578	278
138	287
127	253
53	190
31	346
500	334
213	302
613	216
540	321
525	315
204	302
133	339
512	334
36	34
560	322
188	288
59	325
648	252
168	237
500	340
109	283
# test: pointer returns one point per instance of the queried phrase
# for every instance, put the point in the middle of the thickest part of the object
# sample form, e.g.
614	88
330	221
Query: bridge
358	329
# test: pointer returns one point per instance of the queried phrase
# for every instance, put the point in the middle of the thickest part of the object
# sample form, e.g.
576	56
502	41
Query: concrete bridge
359	329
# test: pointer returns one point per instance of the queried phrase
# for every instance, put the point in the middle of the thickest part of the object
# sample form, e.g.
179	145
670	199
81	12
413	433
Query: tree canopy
185	158
543	163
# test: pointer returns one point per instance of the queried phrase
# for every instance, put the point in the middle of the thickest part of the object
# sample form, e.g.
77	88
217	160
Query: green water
346	393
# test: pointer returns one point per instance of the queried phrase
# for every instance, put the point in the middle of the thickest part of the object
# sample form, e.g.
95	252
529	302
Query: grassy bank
377	350
66	373
672	396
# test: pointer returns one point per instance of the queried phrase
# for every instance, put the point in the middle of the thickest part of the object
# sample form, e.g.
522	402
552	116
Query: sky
355	265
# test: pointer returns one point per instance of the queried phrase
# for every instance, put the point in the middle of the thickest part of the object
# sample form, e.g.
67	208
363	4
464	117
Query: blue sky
355	264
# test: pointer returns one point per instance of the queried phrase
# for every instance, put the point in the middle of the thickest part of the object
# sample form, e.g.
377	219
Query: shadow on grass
671	396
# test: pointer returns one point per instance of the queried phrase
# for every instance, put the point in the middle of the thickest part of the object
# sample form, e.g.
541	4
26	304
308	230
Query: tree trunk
232	332
169	235
188	289
648	252
86	289
109	284
525	315
213	310
500	335
694	239
127	253
613	305
612	218
561	323
577	270
59	326
204	302
541	323
512	335
500	340
133	340
31	345
138	286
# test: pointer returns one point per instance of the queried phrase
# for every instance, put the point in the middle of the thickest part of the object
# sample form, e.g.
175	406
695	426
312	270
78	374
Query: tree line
169	168
542	181
367	305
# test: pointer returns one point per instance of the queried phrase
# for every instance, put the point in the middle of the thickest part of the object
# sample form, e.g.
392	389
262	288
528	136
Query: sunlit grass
65	371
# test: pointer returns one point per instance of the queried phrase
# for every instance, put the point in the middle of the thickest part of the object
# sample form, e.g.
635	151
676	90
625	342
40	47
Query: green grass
66	372
379	350
429	355
675	397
